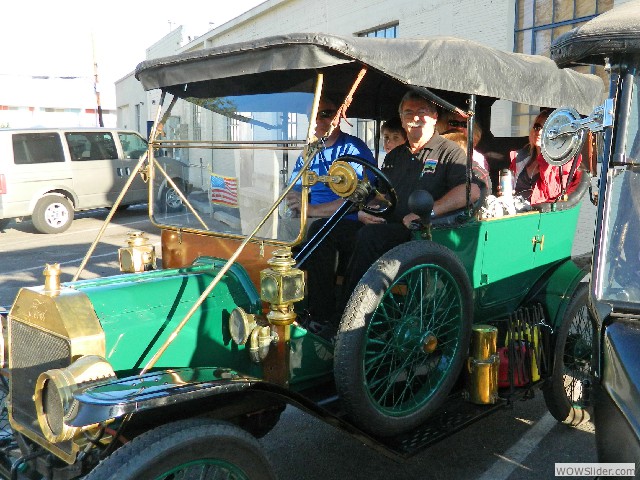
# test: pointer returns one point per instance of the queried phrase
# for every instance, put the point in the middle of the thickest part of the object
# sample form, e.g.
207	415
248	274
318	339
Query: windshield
239	156
619	281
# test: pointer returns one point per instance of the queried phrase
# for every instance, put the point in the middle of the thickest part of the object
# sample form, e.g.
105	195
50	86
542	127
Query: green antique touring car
168	372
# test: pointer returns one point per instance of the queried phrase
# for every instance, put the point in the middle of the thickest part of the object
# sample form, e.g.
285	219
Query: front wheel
52	214
403	338
195	448
564	391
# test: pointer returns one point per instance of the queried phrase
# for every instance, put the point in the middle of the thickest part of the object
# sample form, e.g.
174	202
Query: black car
612	39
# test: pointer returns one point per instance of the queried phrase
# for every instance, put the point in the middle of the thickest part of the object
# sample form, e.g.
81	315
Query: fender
555	288
155	390
615	395
61	190
138	393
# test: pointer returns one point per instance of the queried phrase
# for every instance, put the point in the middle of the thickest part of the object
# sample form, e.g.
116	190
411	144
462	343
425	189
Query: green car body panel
500	256
505	257
152	304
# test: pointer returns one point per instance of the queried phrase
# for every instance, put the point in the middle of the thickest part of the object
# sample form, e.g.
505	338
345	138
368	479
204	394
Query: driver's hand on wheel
369	219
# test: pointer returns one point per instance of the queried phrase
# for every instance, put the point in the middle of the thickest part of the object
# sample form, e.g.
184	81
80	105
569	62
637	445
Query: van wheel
53	214
170	201
403	337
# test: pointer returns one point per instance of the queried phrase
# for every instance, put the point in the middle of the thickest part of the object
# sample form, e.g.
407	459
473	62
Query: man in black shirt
426	161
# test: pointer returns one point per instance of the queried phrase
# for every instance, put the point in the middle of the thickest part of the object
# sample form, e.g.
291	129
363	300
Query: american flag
224	190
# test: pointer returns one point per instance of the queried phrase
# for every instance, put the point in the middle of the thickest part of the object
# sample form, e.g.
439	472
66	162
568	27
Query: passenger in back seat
479	169
393	134
535	179
450	123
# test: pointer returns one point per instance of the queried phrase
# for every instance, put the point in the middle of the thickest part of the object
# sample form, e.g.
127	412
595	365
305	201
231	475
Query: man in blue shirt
323	202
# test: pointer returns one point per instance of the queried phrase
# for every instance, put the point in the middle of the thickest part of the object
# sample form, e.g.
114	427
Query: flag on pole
224	190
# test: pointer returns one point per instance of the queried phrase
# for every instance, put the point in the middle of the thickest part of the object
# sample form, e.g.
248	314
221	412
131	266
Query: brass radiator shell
47	330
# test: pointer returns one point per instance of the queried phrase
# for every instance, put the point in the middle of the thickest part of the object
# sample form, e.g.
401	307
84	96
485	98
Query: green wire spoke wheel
403	338
195	448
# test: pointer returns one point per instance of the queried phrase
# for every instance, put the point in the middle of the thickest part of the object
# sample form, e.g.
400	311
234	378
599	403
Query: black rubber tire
52	214
164	449
381	327
4	222
170	201
573	350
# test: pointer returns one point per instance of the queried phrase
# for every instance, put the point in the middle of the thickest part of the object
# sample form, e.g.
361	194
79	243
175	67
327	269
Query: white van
50	173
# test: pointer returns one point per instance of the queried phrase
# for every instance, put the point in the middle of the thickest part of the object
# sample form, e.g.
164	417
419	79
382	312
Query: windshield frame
617	172
155	170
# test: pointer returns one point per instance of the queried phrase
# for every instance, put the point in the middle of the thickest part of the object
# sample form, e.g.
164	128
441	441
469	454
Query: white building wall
486	21
131	97
129	94
490	22
167	45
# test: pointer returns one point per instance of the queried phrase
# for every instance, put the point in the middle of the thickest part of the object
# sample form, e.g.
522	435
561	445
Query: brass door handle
538	239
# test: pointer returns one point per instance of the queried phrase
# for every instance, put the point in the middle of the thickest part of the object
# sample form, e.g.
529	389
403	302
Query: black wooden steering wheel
370	198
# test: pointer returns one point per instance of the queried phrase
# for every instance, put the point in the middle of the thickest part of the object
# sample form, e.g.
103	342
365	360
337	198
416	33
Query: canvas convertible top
446	66
613	34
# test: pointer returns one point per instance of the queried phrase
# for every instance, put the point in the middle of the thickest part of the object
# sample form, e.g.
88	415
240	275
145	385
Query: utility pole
95	82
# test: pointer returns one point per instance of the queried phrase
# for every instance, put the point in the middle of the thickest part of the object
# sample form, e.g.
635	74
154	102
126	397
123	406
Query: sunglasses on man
326	113
458	123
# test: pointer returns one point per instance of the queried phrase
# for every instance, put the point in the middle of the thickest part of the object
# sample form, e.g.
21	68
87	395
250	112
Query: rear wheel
170	200
4	222
403	337
194	448
564	391
52	214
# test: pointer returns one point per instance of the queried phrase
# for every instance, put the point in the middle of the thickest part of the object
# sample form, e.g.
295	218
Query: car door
133	147
94	166
508	258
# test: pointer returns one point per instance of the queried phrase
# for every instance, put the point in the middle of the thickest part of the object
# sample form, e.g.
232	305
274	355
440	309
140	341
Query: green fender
556	288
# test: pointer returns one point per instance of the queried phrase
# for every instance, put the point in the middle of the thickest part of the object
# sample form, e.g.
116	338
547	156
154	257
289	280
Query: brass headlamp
281	286
139	255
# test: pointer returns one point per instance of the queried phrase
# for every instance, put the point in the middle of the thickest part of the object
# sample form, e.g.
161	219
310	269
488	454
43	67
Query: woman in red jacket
535	179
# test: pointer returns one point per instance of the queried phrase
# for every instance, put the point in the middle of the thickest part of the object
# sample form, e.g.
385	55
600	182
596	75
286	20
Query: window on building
138	117
538	23
195	122
233	129
384	31
292	125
